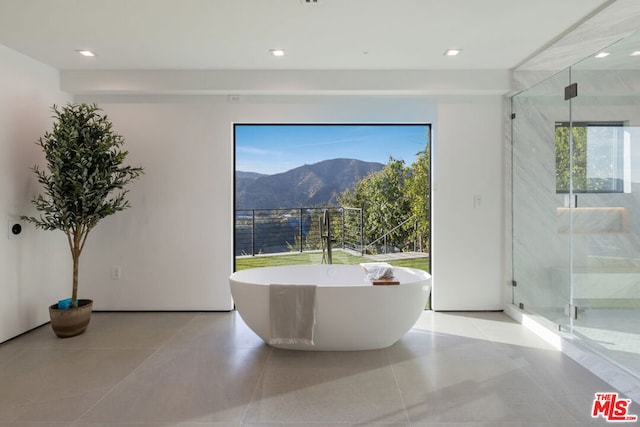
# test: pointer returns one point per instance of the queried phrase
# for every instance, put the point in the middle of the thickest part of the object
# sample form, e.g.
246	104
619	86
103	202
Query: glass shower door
541	232
606	225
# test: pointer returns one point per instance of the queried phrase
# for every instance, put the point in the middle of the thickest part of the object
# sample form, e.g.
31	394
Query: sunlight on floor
492	326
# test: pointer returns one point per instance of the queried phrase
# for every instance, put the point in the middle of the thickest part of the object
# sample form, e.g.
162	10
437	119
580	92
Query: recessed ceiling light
635	53
452	52
277	52
86	53
603	55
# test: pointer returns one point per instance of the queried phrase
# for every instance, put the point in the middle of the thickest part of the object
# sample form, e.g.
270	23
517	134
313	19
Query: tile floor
613	333
209	369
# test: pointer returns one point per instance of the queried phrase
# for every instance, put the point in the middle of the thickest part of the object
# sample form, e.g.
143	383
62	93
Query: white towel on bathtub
292	313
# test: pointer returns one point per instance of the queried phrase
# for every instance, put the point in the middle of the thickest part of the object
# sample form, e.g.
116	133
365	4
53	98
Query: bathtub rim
405	273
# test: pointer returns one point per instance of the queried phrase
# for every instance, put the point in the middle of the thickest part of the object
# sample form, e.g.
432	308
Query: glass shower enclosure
576	202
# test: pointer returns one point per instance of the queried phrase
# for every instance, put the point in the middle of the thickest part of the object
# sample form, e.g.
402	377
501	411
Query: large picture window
332	193
598	157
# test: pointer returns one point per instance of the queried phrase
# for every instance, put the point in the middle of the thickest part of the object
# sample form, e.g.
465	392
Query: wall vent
309	1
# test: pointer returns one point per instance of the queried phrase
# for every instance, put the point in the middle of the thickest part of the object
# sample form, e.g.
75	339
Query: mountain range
312	185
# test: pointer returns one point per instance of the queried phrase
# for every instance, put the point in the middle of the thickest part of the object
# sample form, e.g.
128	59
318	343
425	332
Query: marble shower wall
615	22
605	244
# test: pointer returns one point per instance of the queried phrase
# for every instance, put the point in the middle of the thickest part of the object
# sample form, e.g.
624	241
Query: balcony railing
381	242
265	231
269	231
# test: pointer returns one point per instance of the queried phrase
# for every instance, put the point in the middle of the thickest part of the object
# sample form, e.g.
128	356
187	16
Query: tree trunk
74	295
77	237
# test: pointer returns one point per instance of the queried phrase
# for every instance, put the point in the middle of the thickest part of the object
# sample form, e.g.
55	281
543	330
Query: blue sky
271	149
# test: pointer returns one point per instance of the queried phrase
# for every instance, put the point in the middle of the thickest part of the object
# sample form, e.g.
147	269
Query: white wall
35	270
175	245
468	246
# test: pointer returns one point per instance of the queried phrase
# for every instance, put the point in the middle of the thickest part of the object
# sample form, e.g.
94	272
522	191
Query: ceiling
328	35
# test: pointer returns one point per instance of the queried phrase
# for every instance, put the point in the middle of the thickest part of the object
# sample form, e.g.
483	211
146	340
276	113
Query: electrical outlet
15	230
116	272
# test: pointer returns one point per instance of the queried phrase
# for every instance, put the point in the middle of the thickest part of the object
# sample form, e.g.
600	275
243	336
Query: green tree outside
392	196
595	167
419	192
563	165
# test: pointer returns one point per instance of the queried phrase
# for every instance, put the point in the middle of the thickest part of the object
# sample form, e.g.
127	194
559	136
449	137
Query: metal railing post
361	233
342	225
253	232
300	228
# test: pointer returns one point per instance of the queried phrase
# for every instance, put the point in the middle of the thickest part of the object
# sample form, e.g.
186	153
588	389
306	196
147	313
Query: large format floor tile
327	387
209	369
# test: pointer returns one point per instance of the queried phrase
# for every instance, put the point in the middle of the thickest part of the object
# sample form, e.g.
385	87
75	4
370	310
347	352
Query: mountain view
304	186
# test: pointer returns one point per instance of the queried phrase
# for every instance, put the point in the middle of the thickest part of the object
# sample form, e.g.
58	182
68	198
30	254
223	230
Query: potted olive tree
83	182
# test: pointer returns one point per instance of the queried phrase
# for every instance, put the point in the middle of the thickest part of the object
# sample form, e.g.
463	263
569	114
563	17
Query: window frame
618	182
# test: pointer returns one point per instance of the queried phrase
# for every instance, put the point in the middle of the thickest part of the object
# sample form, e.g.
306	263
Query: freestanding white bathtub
351	313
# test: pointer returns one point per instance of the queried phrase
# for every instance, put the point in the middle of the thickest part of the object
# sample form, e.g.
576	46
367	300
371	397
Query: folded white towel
377	270
292	313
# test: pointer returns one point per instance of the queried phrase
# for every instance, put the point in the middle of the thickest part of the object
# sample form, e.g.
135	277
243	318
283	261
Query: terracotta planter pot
72	322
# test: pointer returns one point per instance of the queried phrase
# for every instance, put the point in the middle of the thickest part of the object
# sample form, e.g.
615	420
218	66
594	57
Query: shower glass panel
576	203
606	221
541	237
